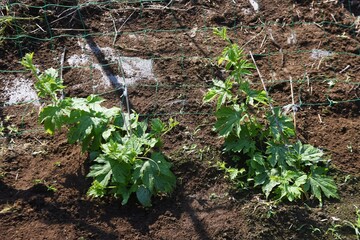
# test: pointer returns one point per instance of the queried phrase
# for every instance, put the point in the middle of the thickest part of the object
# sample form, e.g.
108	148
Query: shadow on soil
67	207
46	208
61	208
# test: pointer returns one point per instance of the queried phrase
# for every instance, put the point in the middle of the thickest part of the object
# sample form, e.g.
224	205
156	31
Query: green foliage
122	149
48	83
262	139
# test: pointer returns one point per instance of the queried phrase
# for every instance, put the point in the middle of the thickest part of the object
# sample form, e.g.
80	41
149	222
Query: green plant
314	229
122	149
12	130
261	138
7	129
57	164
49	187
356	224
334	231
347	178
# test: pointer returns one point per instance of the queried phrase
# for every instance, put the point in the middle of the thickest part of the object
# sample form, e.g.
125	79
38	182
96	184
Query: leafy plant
122	149
262	137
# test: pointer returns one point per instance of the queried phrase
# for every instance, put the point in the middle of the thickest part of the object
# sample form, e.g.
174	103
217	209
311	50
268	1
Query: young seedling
57	164
356	224
334	231
49	187
7	129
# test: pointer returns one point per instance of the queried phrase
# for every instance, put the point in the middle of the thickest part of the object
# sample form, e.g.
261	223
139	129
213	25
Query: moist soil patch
43	180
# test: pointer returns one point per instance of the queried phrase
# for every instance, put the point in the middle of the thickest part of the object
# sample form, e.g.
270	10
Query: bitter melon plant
263	141
122	149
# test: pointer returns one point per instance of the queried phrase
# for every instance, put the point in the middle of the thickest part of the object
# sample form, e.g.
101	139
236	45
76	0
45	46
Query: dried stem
61	70
122	25
293	104
267	95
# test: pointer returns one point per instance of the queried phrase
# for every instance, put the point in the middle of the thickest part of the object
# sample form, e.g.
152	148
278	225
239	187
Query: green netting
54	26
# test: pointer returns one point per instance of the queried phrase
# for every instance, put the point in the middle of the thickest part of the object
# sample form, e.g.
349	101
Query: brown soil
178	37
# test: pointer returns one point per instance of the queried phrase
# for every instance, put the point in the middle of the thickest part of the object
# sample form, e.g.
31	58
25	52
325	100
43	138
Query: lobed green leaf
228	119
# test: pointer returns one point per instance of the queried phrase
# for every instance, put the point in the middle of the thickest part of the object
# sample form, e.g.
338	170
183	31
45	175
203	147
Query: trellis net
165	51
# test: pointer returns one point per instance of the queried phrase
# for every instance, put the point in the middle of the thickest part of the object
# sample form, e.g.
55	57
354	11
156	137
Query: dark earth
177	36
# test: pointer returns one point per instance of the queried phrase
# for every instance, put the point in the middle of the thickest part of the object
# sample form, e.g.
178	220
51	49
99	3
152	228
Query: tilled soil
314	43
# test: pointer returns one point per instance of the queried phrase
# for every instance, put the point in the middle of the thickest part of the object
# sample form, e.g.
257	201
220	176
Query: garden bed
168	52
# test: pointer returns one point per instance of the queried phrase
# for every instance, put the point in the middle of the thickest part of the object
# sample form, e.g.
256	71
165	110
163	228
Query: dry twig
268	97
61	69
293	103
122	25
